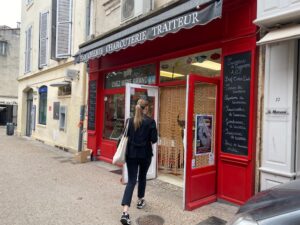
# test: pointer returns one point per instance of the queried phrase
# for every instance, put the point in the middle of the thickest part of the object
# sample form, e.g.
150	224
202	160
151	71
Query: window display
204	63
114	114
139	75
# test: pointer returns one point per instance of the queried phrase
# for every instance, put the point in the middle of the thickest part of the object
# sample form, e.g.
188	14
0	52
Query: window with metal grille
65	90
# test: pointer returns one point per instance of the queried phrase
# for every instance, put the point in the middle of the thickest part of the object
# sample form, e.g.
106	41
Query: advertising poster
203	139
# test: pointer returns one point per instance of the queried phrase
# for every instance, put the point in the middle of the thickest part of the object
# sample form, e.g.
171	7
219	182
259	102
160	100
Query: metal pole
82	112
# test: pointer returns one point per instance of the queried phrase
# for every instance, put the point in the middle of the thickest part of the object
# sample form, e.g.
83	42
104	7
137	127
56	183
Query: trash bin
10	129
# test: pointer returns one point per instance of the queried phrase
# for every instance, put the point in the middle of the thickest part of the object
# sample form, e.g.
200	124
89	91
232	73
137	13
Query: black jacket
140	141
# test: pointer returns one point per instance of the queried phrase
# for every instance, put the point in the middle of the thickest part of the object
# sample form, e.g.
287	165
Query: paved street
41	185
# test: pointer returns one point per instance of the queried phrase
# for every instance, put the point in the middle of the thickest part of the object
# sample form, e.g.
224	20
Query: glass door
201	142
29	116
132	94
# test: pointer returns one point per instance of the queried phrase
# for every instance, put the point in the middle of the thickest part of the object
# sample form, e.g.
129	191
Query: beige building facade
106	14
52	90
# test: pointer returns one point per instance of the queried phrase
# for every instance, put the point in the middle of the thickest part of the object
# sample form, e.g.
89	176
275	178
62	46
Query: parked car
276	206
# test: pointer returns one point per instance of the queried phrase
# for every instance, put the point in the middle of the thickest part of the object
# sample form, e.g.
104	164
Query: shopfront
200	82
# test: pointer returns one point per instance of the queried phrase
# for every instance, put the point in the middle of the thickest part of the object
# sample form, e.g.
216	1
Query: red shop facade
201	85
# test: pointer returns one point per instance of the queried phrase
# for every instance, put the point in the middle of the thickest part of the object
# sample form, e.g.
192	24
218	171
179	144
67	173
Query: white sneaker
141	204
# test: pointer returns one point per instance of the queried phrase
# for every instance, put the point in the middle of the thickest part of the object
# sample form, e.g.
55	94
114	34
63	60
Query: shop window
139	75
114	115
204	63
43	91
65	90
62	118
3	48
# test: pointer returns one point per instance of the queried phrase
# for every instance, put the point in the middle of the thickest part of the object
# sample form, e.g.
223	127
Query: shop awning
60	84
183	16
281	34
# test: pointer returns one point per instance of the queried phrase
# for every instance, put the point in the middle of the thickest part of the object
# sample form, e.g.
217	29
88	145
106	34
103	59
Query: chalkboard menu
236	96
92	105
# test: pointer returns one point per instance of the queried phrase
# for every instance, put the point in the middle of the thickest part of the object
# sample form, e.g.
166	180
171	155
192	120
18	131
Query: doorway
133	93
202	115
29	113
171	130
3	112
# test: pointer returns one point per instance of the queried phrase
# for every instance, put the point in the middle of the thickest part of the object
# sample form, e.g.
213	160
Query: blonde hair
138	115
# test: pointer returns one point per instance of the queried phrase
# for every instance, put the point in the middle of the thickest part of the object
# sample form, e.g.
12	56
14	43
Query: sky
10	12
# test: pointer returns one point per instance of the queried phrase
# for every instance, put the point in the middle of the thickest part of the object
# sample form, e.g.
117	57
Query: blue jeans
134	167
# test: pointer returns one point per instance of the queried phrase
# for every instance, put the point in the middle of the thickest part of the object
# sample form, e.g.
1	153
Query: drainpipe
82	108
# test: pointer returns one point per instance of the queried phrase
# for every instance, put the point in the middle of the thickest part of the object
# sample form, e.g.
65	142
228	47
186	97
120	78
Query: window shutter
43	39
53	29
89	14
28	50
63	28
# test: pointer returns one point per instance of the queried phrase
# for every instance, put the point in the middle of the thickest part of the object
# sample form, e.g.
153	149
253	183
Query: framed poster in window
203	134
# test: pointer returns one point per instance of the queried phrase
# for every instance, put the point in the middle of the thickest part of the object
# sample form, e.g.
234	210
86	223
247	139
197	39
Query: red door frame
193	176
236	177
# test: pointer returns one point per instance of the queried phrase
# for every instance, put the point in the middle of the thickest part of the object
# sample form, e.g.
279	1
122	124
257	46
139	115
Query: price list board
92	105
236	99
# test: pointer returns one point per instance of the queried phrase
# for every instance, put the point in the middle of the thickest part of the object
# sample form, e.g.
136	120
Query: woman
142	133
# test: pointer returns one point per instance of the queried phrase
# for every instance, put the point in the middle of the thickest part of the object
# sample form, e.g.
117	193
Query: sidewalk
42	185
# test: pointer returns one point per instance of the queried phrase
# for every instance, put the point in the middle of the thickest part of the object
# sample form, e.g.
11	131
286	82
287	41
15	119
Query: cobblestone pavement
41	185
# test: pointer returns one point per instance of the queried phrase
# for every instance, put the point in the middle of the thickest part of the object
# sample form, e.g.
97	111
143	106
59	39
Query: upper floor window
63	28
28	49
43	93
43	51
3	48
89	18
